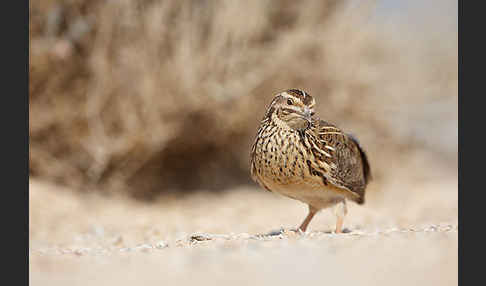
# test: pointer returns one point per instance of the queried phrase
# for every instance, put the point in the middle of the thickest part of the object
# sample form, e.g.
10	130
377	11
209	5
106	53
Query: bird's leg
305	223
340	210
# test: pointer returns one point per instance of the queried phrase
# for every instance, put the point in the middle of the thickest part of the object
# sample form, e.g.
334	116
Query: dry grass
149	96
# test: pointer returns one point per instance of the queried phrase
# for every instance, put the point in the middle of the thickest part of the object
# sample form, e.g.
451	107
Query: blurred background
148	97
142	113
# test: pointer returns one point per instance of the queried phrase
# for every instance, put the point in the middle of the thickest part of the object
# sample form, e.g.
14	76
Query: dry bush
149	96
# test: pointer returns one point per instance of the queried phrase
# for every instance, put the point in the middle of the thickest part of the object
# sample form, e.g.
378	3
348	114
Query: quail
300	156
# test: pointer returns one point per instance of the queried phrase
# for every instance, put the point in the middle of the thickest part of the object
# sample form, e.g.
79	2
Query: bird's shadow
283	231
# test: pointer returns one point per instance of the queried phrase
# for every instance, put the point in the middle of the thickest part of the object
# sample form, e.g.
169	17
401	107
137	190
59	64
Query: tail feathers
366	165
364	159
360	201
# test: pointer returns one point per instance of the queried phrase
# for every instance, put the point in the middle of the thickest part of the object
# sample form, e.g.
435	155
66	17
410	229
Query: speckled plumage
308	159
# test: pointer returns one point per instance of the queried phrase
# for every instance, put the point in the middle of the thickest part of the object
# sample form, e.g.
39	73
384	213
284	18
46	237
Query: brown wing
345	163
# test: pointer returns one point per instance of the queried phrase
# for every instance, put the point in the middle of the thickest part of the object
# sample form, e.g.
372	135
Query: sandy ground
405	234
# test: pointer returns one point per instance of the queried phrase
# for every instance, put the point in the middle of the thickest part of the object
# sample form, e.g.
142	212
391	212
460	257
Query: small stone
161	244
81	251
200	237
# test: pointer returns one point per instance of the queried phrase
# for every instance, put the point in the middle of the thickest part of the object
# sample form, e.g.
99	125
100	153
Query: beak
307	114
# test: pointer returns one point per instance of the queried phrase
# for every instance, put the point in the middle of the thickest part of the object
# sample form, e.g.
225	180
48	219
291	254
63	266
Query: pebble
200	237
161	244
249	240
81	251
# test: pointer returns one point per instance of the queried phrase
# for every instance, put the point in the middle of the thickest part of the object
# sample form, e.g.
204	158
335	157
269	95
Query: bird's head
292	108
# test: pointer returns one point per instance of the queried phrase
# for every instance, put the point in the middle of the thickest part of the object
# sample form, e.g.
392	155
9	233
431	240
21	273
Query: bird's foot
344	230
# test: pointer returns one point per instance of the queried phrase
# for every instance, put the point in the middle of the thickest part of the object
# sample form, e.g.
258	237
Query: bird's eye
312	113
289	101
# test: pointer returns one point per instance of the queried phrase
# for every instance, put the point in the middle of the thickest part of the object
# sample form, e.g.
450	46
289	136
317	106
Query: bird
300	156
